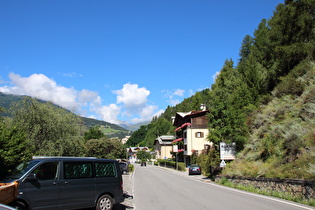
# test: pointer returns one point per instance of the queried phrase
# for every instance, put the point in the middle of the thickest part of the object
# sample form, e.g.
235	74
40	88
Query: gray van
68	183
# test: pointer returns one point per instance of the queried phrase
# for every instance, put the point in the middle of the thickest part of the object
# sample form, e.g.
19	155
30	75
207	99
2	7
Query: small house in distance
132	153
163	146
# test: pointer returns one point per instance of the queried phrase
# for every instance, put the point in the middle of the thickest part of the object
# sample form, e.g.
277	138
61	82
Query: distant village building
191	133
132	153
124	140
163	146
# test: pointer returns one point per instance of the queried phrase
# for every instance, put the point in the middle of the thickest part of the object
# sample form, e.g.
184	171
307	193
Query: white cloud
174	101
214	77
88	96
72	74
148	114
179	92
173	96
148	111
132	96
133	99
109	113
40	86
158	113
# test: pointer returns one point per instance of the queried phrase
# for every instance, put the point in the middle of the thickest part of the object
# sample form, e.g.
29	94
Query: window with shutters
199	135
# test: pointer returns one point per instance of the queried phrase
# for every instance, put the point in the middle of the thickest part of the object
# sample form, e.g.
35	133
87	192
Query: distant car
194	169
143	164
124	168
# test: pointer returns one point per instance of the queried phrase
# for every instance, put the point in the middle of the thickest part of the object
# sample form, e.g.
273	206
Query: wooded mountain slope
110	130
281	141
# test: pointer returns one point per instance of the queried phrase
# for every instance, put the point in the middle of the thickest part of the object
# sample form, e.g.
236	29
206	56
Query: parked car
194	169
67	183
124	168
143	163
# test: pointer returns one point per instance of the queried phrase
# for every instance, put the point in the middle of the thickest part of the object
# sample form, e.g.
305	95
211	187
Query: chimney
203	107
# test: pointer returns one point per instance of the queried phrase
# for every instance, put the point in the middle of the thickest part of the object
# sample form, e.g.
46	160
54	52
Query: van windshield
21	169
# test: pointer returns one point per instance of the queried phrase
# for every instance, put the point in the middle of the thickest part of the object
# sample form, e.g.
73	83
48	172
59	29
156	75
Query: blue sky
122	61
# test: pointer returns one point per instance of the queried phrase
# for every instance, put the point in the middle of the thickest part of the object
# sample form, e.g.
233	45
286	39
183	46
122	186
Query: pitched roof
182	117
136	149
165	139
183	114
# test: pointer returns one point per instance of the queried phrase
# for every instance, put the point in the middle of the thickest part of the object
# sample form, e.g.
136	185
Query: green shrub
172	164
131	167
289	86
209	162
181	166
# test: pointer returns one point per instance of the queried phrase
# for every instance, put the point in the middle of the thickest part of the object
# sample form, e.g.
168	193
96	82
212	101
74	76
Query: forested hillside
264	101
36	128
109	129
281	140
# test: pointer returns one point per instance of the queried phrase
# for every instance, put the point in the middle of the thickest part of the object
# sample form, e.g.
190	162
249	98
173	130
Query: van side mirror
31	177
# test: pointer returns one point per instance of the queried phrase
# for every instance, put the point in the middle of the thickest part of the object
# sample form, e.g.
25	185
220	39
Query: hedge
172	164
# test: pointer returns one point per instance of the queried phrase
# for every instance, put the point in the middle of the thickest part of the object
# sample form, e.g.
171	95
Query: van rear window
75	170
105	169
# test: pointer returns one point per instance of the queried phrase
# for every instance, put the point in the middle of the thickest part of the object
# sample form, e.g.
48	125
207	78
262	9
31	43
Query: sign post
175	149
227	152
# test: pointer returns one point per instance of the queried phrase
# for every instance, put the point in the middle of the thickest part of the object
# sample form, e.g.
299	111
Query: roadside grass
286	196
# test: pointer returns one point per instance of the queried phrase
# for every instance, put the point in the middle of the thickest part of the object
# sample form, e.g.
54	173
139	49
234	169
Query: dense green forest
264	102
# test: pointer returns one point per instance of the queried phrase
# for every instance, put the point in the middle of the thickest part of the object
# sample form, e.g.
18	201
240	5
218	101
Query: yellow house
163	146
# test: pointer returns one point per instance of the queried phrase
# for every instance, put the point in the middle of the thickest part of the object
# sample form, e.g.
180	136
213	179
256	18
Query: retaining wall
300	188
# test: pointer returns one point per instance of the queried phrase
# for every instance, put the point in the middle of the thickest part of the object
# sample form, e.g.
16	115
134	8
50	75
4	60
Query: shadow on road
120	206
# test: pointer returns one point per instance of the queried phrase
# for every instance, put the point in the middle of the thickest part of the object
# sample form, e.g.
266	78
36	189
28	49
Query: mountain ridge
116	130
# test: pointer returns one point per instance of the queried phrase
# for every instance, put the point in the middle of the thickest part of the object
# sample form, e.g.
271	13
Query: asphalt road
167	189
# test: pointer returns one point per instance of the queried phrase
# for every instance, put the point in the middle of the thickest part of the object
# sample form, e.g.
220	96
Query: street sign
175	148
227	151
222	164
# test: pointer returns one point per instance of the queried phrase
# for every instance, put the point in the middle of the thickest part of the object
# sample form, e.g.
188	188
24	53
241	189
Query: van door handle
55	183
66	182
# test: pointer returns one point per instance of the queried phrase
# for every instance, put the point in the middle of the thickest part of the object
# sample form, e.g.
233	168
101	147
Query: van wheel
18	205
105	202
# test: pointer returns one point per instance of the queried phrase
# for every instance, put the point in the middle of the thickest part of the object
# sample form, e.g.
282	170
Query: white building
191	133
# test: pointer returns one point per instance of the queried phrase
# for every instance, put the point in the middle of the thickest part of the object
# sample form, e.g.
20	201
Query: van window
75	170
21	169
105	169
46	171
